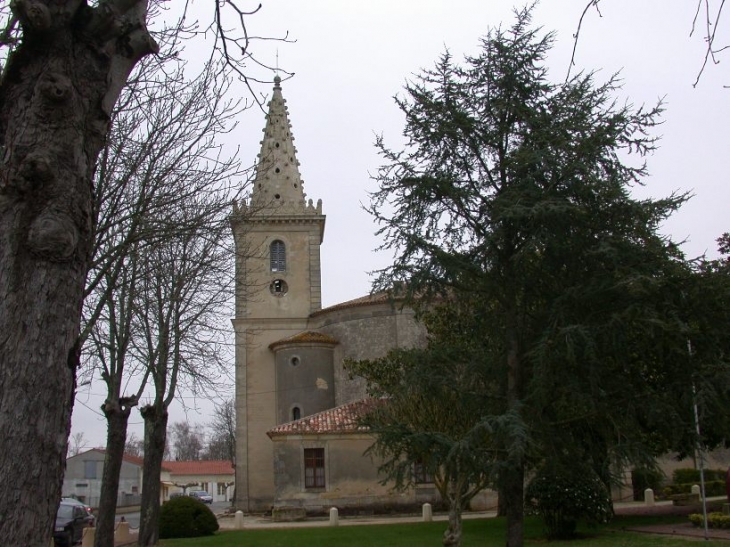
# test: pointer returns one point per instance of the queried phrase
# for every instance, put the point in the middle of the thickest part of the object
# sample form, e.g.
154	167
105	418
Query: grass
476	533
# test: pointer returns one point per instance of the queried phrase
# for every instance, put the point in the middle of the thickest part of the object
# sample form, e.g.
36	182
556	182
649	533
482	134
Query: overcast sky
351	58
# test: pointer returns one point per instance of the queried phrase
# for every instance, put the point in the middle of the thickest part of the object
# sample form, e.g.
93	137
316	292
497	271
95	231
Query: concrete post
334	517
696	489
87	537
649	497
238	520
427	512
121	532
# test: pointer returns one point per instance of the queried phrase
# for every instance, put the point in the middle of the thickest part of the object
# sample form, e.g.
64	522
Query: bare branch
593	3
710	31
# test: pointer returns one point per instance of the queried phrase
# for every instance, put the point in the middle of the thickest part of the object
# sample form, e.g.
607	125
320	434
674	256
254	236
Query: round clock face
278	287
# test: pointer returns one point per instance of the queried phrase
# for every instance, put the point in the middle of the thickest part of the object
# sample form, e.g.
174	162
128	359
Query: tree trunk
56	94
513	484
514	490
117	417
501	496
452	535
155	432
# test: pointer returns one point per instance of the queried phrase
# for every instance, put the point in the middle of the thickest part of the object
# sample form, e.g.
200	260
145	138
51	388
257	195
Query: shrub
563	497
692	476
714	520
186	517
685	476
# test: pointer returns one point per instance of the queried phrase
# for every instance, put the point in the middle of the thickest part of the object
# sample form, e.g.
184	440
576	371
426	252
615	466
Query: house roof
382	297
201	467
341	419
306	337
134	460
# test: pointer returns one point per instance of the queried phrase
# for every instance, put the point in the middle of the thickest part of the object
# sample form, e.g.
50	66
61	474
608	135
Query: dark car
71	519
202	495
89	513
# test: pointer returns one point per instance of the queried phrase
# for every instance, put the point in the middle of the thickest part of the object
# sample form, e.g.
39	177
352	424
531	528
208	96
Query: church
297	438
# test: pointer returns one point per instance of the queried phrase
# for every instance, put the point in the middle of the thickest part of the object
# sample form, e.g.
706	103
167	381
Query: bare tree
187	441
77	444
62	76
184	293
64	67
163	150
222	439
134	446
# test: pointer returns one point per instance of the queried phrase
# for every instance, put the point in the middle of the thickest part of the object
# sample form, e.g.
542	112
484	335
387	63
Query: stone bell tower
278	233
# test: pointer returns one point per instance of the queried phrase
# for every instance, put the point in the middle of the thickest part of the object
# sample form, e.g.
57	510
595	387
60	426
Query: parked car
73	501
202	495
71	519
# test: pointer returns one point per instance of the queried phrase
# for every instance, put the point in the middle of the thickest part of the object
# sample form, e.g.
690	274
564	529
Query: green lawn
480	533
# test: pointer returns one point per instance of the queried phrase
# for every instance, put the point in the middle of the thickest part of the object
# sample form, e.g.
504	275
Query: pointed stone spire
278	186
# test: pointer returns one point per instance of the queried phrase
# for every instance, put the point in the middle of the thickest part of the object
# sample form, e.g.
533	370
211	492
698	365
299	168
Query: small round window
278	287
294	361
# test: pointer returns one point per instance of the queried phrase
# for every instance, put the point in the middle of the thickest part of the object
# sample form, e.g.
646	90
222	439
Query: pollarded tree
58	89
182	297
514	192
157	157
64	66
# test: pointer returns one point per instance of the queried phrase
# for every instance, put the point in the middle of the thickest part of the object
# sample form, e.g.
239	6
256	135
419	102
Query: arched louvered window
278	256
296	413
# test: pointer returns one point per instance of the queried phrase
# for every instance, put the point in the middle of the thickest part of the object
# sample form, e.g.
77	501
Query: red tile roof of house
342	419
200	467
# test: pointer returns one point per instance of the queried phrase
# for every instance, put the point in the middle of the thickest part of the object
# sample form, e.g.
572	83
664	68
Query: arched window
277	250
296	413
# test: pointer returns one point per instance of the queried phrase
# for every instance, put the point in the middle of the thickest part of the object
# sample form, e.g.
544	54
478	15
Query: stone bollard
334	517
121	532
238	520
87	538
649	497
696	489
427	512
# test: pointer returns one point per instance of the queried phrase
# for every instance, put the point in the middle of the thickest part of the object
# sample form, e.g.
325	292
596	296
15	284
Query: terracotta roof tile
382	297
342	419
304	337
201	467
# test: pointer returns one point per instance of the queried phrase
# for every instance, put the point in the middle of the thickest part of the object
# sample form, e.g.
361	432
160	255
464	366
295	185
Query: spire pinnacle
278	184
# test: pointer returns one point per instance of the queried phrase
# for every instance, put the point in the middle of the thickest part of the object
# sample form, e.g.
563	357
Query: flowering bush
563	497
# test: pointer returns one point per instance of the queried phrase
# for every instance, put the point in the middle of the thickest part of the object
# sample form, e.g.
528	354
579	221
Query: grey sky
350	58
